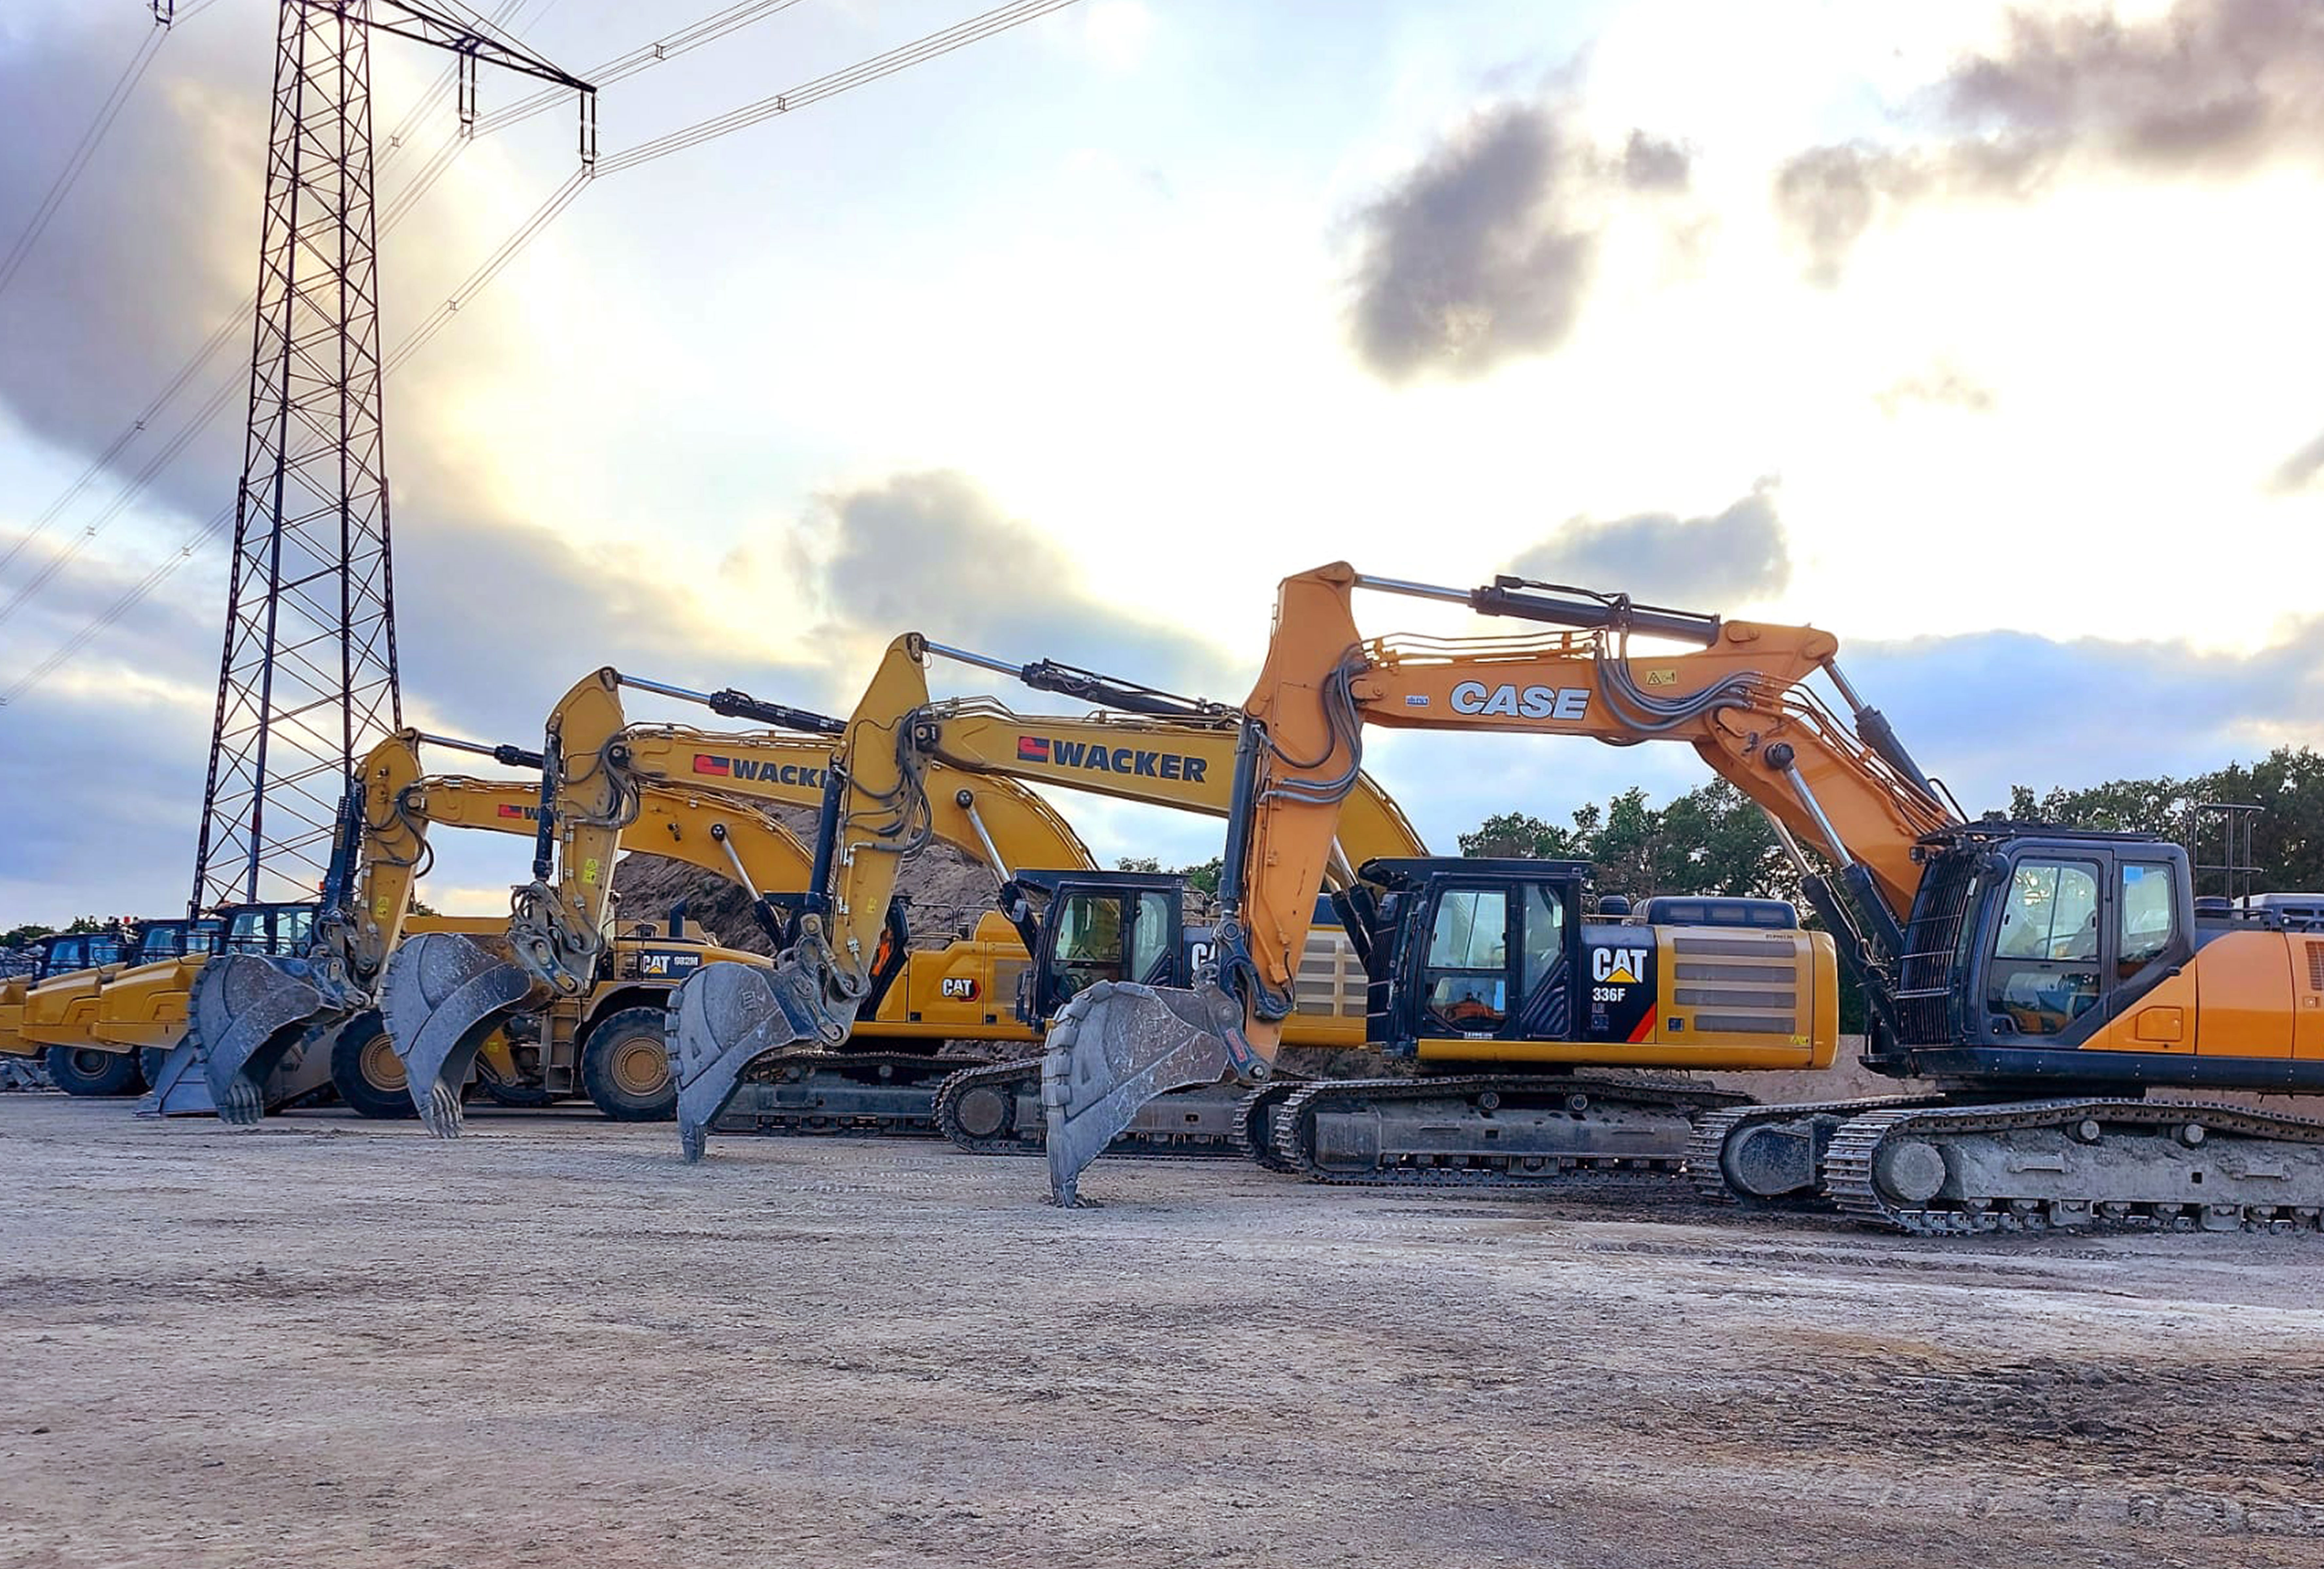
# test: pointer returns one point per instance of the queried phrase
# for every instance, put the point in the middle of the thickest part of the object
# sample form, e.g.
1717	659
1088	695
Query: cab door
1463	988
1095	934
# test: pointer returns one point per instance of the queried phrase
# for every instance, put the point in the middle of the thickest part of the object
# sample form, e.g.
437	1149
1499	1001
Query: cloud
1485	250
2206	86
1942	386
1651	163
932	551
1986	710
1712	562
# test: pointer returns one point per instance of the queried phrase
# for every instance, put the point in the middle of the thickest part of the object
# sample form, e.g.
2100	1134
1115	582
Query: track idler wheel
443	996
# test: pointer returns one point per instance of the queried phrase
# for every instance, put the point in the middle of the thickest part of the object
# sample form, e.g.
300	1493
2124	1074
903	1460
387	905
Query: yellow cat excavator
252	1014
889	789
2045	978
444	996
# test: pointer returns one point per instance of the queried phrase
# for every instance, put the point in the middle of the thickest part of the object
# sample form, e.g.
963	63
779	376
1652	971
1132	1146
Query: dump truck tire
367	1071
150	1059
625	1067
80	1070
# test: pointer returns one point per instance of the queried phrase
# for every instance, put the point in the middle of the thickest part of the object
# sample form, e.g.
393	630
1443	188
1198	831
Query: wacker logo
509	811
1521	702
789	773
1058	753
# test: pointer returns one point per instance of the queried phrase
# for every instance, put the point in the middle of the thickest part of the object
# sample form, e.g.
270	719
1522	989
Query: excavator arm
1738	695
885	798
609	785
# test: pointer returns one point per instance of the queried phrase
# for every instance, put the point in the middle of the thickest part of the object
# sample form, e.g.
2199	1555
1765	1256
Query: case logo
1517	702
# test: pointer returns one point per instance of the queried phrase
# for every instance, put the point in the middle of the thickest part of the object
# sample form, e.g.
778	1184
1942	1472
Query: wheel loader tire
150	1059
367	1071
81	1070
625	1067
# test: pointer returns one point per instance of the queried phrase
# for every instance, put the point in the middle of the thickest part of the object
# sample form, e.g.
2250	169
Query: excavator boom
1738	695
884	800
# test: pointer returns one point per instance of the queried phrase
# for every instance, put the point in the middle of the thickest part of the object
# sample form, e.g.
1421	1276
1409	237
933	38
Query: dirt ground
330	1343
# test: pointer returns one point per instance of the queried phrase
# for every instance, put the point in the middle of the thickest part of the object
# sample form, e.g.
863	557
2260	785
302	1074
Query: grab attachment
1117	1046
442	997
246	1011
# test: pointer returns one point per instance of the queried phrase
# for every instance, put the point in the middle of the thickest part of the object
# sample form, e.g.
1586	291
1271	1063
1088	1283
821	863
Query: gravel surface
332	1343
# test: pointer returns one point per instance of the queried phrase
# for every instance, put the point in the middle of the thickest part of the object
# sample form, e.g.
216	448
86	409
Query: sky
1982	336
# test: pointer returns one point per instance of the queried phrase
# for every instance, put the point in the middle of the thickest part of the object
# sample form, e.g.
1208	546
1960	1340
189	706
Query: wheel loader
255	1017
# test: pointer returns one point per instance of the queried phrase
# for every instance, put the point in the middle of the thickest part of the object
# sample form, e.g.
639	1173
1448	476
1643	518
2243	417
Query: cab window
1468	961
1089	941
1150	938
1544	935
2150	915
2045	969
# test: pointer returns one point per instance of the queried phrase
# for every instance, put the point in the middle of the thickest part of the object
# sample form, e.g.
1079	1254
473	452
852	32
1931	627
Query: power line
977	28
83	151
231	328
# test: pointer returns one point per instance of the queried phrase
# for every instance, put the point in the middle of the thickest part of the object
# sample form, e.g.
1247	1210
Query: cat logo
960	989
1618	966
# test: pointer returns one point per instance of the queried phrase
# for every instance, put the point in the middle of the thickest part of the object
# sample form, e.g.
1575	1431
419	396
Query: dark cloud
933	552
1651	163
2209	86
1484	252
155	248
1987	710
2299	471
1940	386
1475	256
1697	563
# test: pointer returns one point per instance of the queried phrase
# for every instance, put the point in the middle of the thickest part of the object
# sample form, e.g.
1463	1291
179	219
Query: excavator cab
1100	925
283	931
2028	946
1467	949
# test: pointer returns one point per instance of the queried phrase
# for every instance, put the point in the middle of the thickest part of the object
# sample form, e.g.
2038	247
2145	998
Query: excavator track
2078	1164
1255	1124
1725	1166
833	1093
1489	1130
996	1109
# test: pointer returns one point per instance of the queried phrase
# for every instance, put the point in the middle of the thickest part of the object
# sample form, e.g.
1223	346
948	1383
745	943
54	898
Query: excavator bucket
726	1017
1115	1047
442	997
245	1012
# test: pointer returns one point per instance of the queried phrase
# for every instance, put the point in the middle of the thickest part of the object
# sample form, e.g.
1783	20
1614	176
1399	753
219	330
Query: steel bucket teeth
442	997
247	1011
724	1017
1116	1047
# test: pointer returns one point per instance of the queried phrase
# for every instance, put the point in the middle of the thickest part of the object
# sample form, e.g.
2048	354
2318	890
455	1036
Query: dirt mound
944	891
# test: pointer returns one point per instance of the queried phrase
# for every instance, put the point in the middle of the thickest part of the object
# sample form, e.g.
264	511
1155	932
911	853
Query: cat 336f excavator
2045	978
888	793
250	1012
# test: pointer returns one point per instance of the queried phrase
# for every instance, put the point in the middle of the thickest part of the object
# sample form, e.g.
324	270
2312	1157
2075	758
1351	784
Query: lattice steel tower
307	679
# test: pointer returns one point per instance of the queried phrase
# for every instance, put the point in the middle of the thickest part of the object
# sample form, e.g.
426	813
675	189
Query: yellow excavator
2045	979
889	788
251	1013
